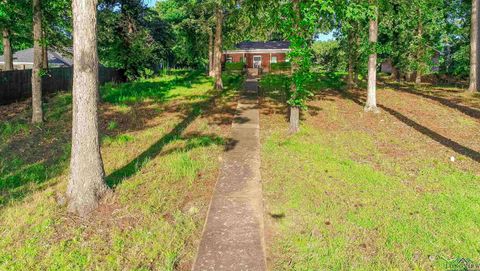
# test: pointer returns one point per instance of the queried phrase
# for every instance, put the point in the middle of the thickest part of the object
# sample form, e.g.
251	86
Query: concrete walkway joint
233	236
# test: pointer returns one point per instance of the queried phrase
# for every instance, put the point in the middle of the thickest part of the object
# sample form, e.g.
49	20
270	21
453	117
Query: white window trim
276	59
261	60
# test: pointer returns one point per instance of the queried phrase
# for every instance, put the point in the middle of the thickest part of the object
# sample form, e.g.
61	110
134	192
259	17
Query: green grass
277	86
335	201
342	214
161	141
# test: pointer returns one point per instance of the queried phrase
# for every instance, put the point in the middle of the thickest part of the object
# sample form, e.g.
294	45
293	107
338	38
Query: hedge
234	66
281	66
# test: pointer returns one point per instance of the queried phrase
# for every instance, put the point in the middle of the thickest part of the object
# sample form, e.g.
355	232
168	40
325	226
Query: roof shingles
26	56
269	45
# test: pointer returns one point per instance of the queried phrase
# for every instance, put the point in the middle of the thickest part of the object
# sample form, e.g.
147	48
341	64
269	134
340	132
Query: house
24	60
258	56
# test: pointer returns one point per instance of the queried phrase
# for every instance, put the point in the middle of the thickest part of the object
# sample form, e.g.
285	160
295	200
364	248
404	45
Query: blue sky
324	37
150	3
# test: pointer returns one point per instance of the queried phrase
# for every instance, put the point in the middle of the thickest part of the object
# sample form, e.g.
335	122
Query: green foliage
16	16
281	66
329	56
298	22
10	129
112	125
278	85
119	139
234	66
189	24
156	89
132	37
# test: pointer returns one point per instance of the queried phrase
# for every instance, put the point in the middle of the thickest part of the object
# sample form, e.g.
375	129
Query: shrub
234	66
281	66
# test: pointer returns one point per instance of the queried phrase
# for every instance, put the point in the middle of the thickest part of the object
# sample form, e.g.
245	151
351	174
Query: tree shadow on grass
472	112
277	88
29	160
30	157
447	142
194	140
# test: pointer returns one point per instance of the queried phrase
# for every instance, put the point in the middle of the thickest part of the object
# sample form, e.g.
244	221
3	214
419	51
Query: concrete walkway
233	237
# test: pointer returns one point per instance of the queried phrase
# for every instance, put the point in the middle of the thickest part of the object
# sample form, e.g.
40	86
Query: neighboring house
24	60
258	55
387	65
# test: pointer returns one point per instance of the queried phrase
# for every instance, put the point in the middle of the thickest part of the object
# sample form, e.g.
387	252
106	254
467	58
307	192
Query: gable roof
258	45
26	57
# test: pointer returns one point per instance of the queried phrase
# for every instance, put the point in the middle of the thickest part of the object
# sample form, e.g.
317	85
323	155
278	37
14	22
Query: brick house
258	56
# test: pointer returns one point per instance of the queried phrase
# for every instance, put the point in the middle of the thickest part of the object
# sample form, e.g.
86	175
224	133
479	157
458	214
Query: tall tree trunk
351	73
45	57
7	50
474	47
86	185
356	77
218	49
395	73
418	76
211	65
294	120
37	112
351	62
295	110
371	105
44	51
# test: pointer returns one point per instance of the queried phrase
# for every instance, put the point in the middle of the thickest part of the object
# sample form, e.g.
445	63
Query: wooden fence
17	85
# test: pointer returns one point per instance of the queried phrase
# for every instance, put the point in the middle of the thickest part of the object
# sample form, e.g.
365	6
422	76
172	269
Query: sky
150	3
325	37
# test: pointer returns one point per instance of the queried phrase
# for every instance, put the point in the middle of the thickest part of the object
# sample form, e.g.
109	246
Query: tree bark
86	185
474	48
294	124
351	64
211	65
7	50
44	52
218	49
418	75
351	73
37	112
294	119
395	73
44	57
371	105
356	77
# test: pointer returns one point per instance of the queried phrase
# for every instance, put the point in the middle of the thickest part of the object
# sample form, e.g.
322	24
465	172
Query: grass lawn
161	139
358	191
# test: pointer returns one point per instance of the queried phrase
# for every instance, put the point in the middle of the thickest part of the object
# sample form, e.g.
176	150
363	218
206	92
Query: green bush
281	66
234	66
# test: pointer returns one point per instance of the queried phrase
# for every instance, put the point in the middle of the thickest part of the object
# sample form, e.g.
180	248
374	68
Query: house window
229	59
274	59
257	62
